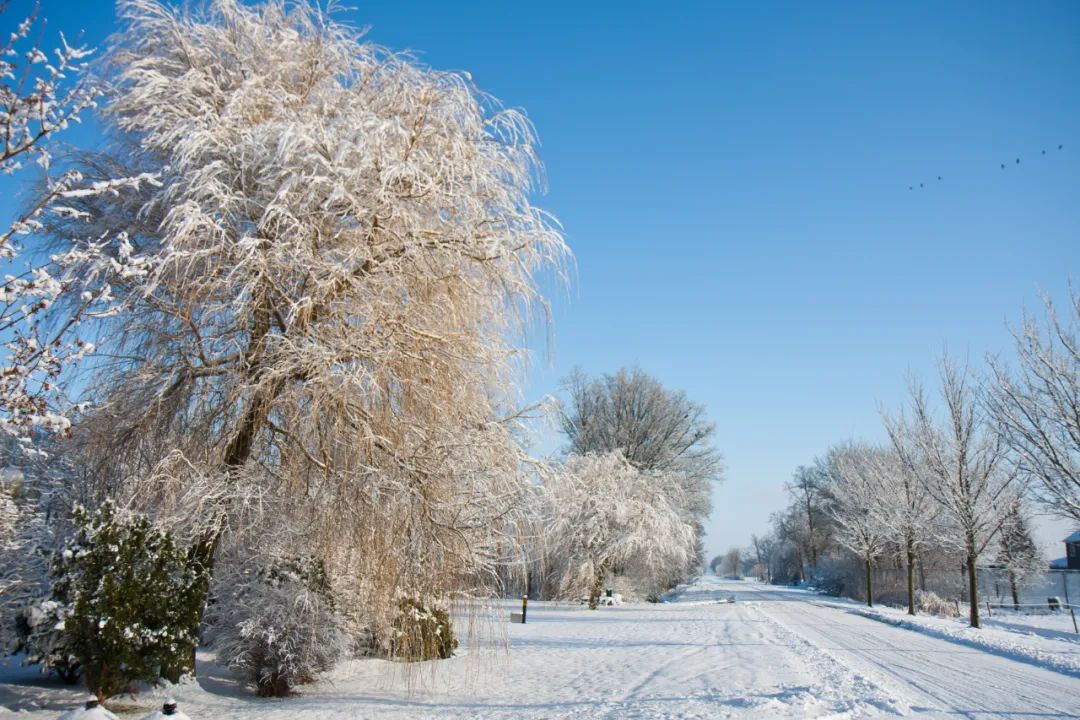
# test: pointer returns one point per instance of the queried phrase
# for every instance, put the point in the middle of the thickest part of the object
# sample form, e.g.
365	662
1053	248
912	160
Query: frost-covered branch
1037	407
41	94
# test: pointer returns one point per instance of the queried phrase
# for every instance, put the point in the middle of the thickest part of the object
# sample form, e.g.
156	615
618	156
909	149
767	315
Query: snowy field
773	653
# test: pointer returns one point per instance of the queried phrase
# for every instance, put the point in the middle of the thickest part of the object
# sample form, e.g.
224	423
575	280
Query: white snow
772	653
83	713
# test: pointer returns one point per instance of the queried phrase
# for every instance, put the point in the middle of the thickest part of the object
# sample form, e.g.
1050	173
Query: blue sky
733	180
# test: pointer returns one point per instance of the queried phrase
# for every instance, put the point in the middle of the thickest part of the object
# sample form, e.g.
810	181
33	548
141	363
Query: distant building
1072	551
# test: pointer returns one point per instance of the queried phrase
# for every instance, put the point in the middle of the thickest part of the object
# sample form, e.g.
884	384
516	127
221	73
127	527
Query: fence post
957	607
988	612
1073	615
524	607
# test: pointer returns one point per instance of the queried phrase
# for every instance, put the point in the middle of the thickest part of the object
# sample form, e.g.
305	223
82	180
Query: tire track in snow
843	682
933	675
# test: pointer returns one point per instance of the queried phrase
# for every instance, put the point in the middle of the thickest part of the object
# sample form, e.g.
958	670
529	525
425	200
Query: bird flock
1003	166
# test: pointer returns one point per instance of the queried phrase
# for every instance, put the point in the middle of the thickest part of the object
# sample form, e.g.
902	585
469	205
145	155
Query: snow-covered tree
1037	407
342	253
1017	553
42	92
764	548
729	563
37	491
861	475
605	513
964	467
132	595
906	506
790	556
807	490
655	428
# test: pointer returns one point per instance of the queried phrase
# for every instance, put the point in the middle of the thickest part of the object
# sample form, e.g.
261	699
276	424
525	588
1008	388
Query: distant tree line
956	484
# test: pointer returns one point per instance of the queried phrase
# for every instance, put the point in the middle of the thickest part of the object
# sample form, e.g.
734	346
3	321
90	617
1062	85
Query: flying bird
938	177
1017	161
1002	166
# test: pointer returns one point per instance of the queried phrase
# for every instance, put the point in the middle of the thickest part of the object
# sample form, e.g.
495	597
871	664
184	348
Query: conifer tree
132	594
1018	554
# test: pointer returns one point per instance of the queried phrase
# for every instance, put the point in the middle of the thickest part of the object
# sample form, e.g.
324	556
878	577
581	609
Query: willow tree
342	250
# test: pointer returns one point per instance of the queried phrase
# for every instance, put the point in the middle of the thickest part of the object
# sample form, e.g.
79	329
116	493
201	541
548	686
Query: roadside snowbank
1055	654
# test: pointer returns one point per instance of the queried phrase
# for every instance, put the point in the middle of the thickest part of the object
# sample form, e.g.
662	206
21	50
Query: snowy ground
774	653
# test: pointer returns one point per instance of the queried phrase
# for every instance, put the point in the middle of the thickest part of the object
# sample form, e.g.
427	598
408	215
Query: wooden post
957	607
1073	614
524	607
988	613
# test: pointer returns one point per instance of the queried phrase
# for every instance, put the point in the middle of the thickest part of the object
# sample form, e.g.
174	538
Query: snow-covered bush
422	632
837	573
930	604
131	596
277	626
34	495
42	638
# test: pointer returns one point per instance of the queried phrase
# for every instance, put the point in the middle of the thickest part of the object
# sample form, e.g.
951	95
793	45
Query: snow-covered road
774	653
930	677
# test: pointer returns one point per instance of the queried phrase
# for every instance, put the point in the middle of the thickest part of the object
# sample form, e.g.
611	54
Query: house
1072	551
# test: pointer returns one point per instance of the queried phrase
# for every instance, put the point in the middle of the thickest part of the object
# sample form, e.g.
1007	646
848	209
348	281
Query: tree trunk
598	584
973	589
1015	590
910	577
869	583
810	527
237	452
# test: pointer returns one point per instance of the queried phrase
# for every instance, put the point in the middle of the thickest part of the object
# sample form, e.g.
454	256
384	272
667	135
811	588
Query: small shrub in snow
131	604
930	604
278	627
422	633
40	628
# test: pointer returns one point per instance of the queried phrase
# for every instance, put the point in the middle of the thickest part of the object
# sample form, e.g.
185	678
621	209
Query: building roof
1075	537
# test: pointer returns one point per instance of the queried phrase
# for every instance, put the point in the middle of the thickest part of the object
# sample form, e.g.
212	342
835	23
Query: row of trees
958	479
